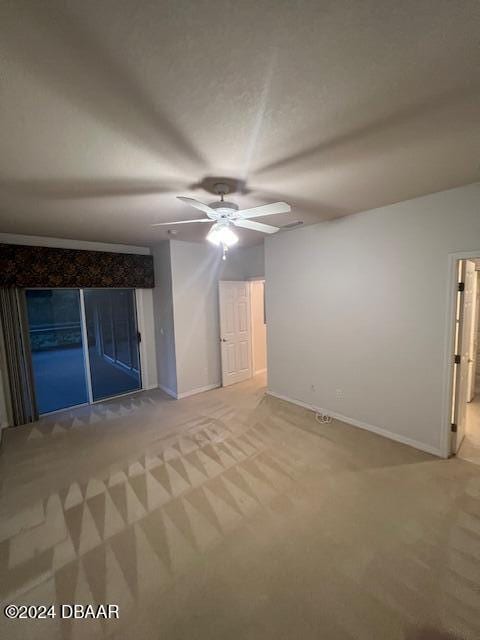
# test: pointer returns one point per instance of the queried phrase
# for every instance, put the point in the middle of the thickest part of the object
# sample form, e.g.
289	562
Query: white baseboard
257	373
363	425
193	392
185	394
168	391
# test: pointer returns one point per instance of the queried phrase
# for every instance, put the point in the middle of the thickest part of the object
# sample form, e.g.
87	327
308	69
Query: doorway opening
243	330
259	326
84	345
465	408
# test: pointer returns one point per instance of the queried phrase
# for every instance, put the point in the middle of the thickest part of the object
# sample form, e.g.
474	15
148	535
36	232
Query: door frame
252	329
446	439
249	320
472	369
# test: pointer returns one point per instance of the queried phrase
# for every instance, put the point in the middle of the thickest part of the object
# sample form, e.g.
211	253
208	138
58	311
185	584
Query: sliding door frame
114	360
87	368
85	349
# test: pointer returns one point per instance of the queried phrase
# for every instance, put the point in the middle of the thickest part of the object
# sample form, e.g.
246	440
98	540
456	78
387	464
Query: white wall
146	327
244	263
186	310
163	319
195	274
359	305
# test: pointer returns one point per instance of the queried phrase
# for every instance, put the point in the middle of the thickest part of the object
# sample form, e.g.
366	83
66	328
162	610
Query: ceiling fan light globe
228	236
222	234
213	238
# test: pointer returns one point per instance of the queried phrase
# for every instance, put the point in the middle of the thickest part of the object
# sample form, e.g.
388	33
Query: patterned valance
26	266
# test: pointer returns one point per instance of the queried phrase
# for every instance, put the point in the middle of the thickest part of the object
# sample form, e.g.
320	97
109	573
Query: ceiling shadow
316	209
84	189
235	185
422	118
431	633
49	42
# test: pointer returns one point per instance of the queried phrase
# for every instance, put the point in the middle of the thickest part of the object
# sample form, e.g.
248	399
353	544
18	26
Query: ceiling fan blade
265	210
255	226
199	205
291	225
163	224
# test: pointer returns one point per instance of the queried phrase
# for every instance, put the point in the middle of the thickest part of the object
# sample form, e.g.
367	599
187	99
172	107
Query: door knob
222	340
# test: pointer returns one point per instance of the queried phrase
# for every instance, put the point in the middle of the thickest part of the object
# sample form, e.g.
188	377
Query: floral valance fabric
26	266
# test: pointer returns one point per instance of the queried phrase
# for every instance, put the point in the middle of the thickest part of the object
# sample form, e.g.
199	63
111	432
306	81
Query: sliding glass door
55	324
84	345
112	341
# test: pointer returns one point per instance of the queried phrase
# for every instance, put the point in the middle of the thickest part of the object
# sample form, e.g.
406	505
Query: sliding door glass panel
123	329
57	352
104	317
112	341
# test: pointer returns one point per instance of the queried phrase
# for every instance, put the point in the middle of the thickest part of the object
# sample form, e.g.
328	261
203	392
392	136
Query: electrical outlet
339	394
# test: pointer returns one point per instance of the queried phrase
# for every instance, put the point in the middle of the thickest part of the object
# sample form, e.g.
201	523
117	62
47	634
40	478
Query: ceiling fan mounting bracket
221	189
233	185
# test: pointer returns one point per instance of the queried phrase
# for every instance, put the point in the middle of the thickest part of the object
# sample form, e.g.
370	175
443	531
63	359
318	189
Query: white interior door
467	320
235	331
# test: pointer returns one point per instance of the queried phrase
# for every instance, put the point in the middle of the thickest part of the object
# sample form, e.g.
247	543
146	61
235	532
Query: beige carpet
234	515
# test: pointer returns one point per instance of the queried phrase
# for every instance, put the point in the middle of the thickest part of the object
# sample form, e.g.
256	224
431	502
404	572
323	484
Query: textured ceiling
110	108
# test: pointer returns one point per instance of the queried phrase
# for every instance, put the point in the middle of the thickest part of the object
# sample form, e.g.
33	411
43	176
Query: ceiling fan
226	215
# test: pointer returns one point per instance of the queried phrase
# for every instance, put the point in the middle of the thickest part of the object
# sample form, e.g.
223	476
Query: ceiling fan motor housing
224	209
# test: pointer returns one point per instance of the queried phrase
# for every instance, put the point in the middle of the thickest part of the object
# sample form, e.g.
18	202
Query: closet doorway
84	345
465	420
